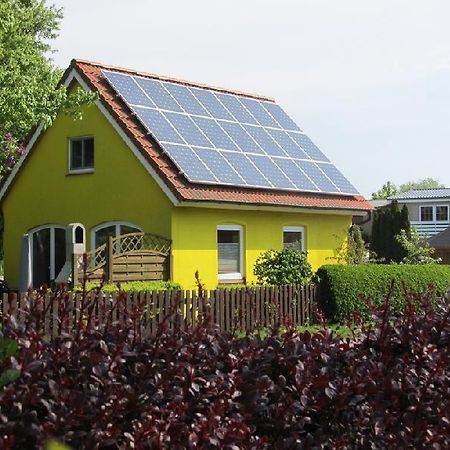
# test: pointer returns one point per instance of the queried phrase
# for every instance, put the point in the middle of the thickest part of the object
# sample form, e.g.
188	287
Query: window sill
80	172
230	278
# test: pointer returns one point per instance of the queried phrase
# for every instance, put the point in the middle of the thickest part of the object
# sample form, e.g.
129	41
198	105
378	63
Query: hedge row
344	289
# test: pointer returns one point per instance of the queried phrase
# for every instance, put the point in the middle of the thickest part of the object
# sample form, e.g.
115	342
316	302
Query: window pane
293	239
41	257
426	213
102	235
442	213
76	161
89	153
228	251
60	250
125	229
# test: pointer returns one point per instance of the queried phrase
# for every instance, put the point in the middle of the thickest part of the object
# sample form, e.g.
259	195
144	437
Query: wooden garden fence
230	309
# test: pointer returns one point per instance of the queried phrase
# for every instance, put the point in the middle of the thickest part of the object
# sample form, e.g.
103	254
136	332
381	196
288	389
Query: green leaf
8	348
8	376
55	445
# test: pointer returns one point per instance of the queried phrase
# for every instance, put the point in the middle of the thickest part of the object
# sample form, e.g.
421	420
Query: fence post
109	259
75	274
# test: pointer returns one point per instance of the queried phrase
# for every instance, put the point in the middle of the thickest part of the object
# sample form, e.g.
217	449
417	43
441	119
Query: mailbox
75	239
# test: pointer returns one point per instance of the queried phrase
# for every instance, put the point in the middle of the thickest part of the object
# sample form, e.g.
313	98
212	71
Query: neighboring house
428	209
220	174
441	244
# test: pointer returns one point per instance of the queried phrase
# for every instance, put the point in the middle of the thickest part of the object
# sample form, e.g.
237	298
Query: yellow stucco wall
194	234
120	189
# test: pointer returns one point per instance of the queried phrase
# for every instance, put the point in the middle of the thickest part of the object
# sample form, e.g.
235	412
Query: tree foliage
387	224
29	90
354	249
389	189
417	248
278	267
426	183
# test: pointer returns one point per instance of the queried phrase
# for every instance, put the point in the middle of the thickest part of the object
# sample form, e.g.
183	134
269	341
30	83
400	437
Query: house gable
119	188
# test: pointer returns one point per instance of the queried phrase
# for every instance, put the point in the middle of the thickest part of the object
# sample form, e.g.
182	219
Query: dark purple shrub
105	387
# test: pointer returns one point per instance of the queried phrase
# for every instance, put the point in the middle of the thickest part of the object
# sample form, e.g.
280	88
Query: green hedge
344	288
134	286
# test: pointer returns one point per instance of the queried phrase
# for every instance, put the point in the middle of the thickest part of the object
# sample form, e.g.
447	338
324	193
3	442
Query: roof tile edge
155	76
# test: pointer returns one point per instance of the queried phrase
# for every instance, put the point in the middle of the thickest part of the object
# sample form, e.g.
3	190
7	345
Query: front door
48	254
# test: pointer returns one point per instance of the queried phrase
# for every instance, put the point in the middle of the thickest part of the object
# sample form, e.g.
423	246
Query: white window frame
294	229
117	225
235	276
69	159
434	215
52	227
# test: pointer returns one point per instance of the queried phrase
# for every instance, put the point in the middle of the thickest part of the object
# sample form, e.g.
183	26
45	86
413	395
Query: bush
278	267
132	286
107	388
343	289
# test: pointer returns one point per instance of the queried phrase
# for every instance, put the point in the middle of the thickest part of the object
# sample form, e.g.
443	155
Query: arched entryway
48	253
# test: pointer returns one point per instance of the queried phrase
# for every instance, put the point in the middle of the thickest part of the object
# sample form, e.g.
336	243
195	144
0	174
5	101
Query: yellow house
224	175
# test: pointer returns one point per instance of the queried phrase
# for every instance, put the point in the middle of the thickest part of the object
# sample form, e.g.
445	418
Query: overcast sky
368	81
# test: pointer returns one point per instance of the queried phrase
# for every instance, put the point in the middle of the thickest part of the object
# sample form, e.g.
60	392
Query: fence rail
229	309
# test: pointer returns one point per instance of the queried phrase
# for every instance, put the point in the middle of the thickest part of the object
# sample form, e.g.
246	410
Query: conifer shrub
344	289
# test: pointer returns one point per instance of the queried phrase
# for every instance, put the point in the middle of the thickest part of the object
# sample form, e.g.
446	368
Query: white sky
369	82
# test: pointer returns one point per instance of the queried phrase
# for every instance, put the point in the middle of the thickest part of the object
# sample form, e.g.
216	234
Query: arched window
48	253
101	233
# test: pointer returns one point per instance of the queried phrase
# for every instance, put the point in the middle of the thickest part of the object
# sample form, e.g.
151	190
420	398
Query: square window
294	237
426	213
81	154
442	213
230	252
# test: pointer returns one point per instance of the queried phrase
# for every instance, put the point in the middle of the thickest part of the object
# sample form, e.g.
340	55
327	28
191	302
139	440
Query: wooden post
75	274
109	260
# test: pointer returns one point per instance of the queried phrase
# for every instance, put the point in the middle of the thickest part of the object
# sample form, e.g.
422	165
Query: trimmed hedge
132	286
343	289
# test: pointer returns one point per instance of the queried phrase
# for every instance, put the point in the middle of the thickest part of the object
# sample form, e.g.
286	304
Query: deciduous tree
29	89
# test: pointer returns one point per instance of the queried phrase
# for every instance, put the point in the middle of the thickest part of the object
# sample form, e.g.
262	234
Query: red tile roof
177	183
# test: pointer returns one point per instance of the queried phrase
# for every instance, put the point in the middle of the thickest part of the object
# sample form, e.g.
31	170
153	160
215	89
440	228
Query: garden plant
107	387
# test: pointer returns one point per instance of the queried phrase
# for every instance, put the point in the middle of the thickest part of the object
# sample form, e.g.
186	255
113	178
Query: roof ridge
127	70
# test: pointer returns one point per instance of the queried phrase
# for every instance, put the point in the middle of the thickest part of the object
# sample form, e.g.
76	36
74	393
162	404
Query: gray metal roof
423	193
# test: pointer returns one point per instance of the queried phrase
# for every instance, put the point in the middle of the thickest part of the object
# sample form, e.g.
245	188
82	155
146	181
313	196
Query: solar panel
158	125
251	175
272	172
261	136
188	130
159	94
130	91
215	133
219	166
212	104
222	138
189	163
236	108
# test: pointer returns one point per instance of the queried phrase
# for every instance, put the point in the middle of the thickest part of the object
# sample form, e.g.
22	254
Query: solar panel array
220	138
